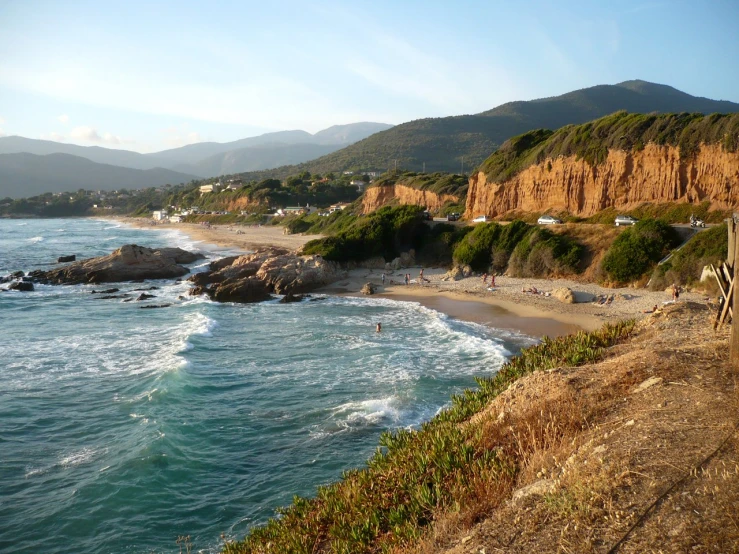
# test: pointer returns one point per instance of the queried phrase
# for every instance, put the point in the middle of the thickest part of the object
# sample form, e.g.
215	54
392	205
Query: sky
153	75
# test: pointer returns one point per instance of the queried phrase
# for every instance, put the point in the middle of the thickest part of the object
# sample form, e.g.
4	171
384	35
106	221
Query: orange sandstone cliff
377	197
623	181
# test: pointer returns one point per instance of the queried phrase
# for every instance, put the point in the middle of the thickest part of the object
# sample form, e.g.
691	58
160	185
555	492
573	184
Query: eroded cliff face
377	197
625	180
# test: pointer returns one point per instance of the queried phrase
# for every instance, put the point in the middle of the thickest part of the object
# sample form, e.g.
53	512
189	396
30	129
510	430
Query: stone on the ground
368	289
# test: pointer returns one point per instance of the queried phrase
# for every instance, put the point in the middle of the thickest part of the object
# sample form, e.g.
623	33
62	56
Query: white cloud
56	137
88	134
64	118
2	133
2	121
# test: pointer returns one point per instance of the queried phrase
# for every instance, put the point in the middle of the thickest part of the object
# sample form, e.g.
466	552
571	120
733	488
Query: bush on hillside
386	232
686	265
525	249
637	249
542	253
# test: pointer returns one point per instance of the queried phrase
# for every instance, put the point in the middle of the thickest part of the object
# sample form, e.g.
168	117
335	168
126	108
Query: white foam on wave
36	240
112	227
66	461
369	411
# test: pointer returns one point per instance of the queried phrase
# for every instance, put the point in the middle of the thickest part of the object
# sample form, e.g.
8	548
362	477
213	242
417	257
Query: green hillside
621	130
446	143
439	183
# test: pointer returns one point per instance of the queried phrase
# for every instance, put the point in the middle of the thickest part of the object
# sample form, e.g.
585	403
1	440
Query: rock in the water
368	289
63	259
106	291
144	296
128	263
154	306
23	286
290	297
564	294
245	291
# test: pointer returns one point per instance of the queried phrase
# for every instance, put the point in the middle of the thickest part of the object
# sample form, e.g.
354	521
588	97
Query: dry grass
610	466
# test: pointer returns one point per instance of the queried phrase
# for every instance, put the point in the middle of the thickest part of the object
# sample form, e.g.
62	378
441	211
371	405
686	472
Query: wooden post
731	225
734	249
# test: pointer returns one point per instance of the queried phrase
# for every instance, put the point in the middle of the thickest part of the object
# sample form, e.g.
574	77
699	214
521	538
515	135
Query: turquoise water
123	428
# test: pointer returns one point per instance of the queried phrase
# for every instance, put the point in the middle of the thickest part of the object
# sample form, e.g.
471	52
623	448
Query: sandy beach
504	306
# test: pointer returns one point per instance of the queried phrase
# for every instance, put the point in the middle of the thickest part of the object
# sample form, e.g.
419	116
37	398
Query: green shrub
686	265
527	250
542	253
386	232
637	249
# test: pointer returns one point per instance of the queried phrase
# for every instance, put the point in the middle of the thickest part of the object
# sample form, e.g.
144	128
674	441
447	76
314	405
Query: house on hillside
175	218
359	184
233	184
205	189
159	215
337	207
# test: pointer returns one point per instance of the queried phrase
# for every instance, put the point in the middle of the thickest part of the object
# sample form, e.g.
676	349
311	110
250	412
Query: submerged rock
129	263
63	259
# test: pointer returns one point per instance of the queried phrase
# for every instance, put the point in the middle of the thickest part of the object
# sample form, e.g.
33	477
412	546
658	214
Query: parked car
427	216
549	220
696	221
452	217
481	219
625	220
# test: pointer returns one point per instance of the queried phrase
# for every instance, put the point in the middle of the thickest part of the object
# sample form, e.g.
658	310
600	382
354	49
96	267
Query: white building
159	215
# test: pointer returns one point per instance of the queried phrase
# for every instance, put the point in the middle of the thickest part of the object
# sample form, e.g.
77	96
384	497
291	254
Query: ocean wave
36	240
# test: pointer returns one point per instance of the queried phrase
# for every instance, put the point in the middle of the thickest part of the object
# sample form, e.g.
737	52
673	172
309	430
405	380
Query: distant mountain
124	158
462	142
271	147
265	156
23	175
211	159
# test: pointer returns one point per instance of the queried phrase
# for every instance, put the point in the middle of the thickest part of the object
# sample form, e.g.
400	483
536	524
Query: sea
125	429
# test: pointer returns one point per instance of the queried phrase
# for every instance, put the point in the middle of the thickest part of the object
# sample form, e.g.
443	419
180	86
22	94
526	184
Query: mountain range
21	173
461	143
450	144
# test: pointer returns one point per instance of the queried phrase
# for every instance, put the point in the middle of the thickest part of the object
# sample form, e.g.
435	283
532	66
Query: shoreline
469	299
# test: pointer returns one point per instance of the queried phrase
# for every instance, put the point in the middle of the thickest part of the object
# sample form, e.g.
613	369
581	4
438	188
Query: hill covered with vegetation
621	130
460	143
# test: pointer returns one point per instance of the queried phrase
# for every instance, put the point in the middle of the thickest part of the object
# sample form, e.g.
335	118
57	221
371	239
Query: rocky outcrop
23	286
457	272
623	181
65	259
368	289
253	277
129	263
377	197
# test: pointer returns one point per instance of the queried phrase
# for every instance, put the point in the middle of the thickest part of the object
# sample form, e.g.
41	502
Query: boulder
129	263
564	294
245	291
63	259
144	296
290	297
368	289
298	274
457	272
23	286
106	291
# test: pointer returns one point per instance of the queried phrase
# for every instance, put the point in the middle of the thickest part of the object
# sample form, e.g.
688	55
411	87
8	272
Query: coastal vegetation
452	464
621	130
385	233
438	183
526	250
638	249
685	265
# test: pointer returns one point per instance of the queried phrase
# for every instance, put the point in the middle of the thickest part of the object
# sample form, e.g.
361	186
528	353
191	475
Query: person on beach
484	278
675	292
379	327
383	279
492	280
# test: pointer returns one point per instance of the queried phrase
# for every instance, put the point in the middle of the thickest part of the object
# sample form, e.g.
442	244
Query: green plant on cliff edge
417	475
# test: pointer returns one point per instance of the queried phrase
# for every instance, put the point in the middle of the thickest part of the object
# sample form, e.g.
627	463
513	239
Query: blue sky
149	75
